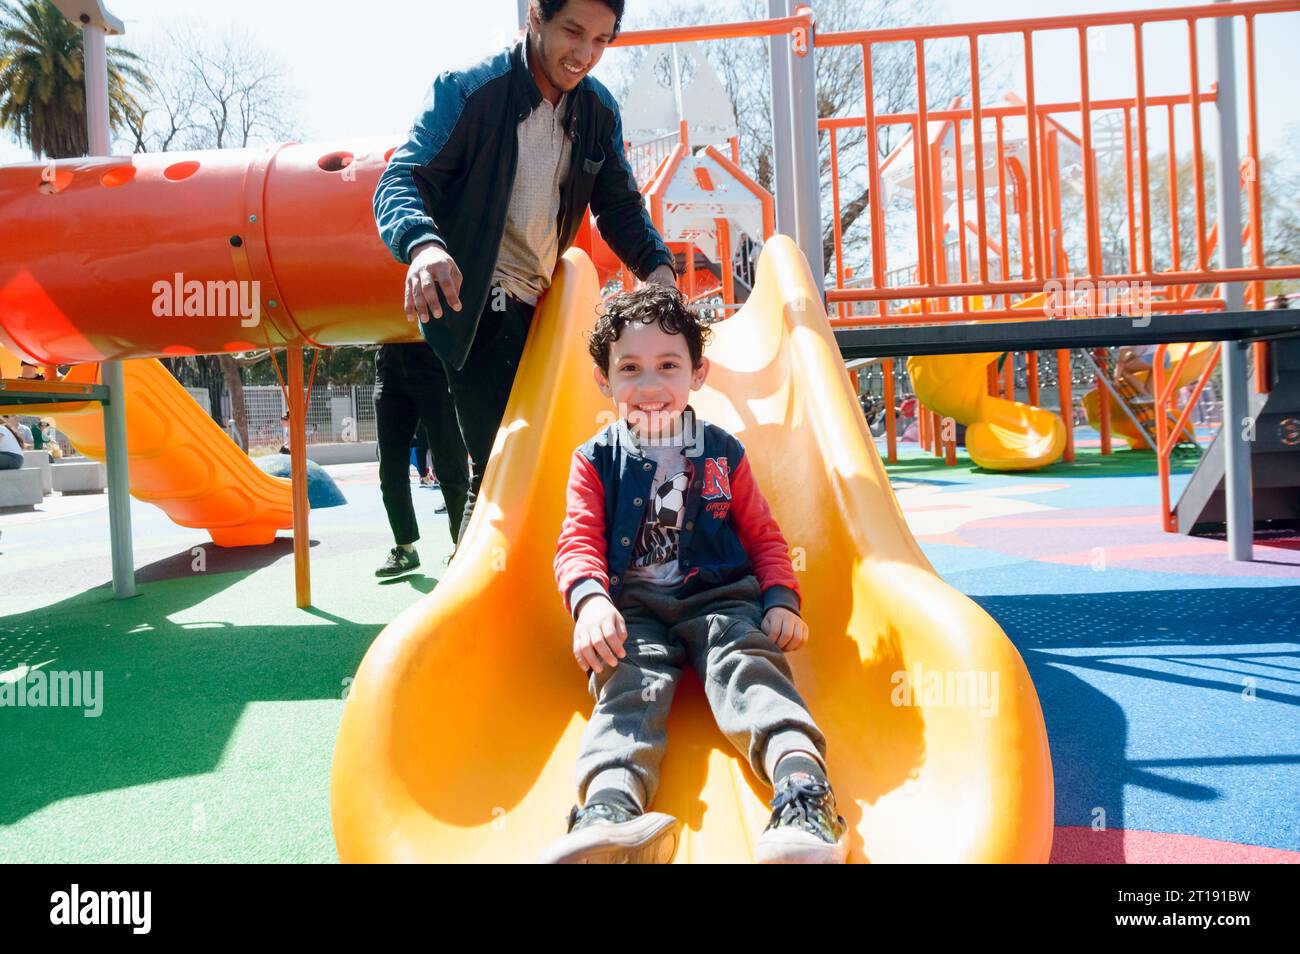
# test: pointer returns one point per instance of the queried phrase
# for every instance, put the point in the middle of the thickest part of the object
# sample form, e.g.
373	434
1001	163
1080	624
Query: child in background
668	557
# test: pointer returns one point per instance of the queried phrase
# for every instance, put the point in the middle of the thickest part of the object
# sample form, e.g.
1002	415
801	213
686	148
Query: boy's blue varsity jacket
728	531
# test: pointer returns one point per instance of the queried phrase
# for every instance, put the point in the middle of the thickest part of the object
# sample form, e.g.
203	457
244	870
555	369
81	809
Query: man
411	401
490	189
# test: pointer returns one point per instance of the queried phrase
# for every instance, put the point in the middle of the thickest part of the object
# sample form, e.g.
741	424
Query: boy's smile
650	378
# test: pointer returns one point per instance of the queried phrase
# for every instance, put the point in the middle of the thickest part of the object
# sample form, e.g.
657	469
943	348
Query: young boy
668	557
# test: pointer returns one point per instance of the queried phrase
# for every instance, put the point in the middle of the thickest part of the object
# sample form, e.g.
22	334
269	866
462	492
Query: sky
361	69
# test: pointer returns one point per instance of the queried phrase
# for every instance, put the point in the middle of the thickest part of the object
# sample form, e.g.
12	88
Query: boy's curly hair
649	303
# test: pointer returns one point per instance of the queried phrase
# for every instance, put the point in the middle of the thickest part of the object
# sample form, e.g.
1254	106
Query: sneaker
441	508
805	828
605	834
399	561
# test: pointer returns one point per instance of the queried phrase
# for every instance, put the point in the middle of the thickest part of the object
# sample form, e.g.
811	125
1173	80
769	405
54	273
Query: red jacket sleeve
580	552
762	539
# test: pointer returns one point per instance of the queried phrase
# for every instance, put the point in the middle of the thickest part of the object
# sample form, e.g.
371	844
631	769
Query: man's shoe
441	508
399	561
605	834
805	828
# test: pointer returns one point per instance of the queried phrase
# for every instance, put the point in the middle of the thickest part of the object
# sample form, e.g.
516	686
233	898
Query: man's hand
432	267
663	275
787	628
599	634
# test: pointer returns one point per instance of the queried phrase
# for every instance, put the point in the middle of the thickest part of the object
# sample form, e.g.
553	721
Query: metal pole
807	168
782	139
298	478
1236	401
115	443
677	85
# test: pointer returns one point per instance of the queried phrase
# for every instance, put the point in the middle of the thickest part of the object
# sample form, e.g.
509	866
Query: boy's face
650	378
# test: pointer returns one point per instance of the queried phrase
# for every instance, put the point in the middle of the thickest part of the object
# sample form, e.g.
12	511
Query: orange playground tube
142	256
193	253
460	733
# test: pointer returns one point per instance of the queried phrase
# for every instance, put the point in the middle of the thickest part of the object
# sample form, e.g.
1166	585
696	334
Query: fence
336	413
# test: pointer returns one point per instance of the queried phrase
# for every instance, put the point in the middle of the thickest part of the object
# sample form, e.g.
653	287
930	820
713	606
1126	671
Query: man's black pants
481	388
410	391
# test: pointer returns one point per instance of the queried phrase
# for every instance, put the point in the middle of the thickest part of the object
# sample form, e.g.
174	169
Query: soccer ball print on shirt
657	541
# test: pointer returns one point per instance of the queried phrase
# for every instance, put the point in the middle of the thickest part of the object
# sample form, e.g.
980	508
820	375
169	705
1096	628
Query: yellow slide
460	733
1000	434
179	458
1203	352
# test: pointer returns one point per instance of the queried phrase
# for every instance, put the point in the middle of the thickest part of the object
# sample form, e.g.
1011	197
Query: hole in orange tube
179	351
181	170
335	161
117	177
55	180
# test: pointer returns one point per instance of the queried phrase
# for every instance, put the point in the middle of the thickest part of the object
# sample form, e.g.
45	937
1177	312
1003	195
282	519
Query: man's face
650	378
572	42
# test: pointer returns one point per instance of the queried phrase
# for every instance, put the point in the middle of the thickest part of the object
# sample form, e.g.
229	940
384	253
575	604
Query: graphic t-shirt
654	554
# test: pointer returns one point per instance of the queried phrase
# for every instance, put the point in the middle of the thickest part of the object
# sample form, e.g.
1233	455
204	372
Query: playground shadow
172	692
1074	643
210	558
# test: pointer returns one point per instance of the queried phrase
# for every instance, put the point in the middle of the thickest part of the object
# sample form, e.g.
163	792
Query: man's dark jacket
451	181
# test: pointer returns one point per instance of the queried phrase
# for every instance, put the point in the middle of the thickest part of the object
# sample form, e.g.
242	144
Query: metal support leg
783	163
119	482
807	168
298	475
1236	402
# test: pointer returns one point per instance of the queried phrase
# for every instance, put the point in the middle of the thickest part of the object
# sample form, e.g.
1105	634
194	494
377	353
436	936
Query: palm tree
42	89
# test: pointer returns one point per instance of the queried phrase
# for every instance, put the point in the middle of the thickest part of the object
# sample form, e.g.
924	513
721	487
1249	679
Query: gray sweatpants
744	673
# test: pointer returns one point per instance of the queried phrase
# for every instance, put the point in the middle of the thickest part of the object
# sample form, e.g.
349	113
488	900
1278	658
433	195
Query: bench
79	476
20	488
39	460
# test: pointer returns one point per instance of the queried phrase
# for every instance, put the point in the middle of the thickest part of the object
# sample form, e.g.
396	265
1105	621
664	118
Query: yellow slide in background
1202	353
179	458
1000	434
460	734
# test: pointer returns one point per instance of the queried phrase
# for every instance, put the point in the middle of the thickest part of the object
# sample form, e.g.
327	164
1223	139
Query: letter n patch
717	478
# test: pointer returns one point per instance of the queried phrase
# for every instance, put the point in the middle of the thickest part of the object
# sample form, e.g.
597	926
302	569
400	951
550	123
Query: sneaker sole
649	839
792	847
386	574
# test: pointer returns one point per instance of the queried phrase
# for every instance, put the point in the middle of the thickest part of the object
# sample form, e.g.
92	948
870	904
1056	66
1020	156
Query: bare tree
214	92
1279	181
